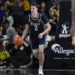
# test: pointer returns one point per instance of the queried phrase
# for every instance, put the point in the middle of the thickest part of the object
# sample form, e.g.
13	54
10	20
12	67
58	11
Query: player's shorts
36	43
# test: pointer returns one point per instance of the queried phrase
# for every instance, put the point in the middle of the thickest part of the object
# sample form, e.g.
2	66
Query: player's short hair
34	4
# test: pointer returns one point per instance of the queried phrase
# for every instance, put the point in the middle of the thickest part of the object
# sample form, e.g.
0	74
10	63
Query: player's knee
41	51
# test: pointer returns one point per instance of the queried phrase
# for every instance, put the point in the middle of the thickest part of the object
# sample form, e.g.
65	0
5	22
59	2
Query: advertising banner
61	53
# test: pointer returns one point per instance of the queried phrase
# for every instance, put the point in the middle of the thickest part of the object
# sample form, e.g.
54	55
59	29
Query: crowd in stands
15	11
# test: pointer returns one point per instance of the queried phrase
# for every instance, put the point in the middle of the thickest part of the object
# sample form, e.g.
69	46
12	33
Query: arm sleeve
44	19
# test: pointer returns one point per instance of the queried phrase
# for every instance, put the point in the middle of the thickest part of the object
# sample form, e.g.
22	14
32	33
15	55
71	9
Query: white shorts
36	50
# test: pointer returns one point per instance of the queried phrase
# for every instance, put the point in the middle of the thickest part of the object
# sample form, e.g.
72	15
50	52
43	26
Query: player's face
33	9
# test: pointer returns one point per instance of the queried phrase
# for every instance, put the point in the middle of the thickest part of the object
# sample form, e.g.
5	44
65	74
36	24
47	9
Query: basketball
18	41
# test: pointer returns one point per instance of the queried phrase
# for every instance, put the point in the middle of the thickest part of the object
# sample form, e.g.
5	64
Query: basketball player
37	25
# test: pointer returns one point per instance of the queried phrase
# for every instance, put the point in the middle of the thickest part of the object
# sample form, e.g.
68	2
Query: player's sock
40	67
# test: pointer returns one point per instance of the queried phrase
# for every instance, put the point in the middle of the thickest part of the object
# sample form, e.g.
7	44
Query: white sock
40	67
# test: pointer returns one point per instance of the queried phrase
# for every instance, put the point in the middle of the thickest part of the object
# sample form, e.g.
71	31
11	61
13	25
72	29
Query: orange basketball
18	41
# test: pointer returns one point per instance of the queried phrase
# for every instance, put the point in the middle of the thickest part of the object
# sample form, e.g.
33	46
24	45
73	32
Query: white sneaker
40	72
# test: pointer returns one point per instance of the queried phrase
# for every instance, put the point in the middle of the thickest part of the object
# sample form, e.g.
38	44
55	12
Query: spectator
2	12
4	1
1	2
1	36
9	18
53	3
53	22
17	12
26	5
56	11
1	47
33	1
4	54
55	8
10	4
43	8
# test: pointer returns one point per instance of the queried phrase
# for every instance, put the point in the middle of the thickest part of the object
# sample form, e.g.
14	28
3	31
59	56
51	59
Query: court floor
34	72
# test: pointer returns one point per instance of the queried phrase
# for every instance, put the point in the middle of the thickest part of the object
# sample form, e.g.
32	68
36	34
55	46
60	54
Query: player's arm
48	28
25	31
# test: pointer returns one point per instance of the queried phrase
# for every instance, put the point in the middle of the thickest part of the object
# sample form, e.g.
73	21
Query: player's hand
40	36
22	37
